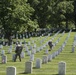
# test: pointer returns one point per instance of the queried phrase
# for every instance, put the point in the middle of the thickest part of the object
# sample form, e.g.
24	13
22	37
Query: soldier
50	45
18	51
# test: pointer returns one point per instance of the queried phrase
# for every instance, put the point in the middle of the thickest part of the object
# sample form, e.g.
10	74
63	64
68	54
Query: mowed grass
51	68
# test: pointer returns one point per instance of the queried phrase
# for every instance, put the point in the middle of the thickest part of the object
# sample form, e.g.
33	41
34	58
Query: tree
53	13
75	13
65	9
62	13
42	11
15	16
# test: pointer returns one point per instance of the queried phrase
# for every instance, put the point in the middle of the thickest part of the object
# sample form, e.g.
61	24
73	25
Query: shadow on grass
1	63
55	74
8	53
28	73
71	52
35	68
24	73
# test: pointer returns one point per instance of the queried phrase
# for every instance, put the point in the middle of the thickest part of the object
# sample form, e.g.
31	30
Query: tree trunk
9	37
59	26
66	24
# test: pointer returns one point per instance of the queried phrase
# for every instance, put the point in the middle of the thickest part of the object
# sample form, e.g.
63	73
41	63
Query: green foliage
14	14
63	12
53	12
32	25
41	13
27	15
22	14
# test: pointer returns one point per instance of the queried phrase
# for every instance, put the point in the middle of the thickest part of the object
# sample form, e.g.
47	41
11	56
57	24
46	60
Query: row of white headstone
21	36
9	50
29	65
54	54
4	57
45	59
42	40
62	65
48	58
74	44
29	68
58	39
23	55
56	35
11	47
30	54
44	45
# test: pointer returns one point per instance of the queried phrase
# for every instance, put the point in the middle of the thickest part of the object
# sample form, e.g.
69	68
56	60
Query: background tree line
29	15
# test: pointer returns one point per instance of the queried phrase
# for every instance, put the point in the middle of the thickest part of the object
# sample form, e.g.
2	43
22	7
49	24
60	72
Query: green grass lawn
51	68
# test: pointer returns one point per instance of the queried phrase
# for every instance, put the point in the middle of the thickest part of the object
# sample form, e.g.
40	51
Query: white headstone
15	48
3	37
26	48
28	67
6	44
63	45
73	49
41	47
1	46
32	57
10	50
4	59
34	46
53	55
20	42
22	54
62	68
33	51
2	52
38	49
54	44
38	63
32	41
29	53
41	42
26	36
57	53
44	46
11	70
13	36
11	46
25	45
46	51
31	48
45	59
20	36
13	57
56	41
28	43
3	43
49	57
